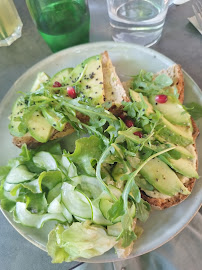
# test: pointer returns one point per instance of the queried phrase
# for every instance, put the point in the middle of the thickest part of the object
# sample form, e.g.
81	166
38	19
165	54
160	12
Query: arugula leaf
139	142
194	109
132	176
145	83
135	192
103	157
93	131
163	80
127	235
137	111
116	210
142	210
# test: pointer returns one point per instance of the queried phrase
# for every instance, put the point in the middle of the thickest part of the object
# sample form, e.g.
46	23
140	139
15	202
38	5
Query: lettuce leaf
79	240
86	154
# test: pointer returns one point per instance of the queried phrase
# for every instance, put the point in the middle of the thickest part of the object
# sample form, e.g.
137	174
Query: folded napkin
179	2
195	23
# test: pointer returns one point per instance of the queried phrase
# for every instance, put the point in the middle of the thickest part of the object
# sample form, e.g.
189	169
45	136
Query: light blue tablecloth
182	43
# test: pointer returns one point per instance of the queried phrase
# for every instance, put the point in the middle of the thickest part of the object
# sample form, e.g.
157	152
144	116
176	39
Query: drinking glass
10	23
138	21
61	23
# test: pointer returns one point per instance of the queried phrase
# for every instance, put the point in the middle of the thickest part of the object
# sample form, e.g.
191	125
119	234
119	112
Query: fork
197	8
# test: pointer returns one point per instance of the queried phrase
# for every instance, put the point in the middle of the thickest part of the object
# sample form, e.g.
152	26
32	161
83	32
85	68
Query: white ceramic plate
128	60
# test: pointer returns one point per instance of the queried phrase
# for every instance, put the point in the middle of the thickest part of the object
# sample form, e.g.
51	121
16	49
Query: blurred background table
180	41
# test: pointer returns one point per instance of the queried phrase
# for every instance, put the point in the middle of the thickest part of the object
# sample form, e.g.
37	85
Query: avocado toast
157	199
94	79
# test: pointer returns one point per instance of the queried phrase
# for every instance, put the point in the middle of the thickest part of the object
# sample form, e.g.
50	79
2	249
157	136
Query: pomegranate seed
161	98
71	92
129	123
122	116
57	84
138	133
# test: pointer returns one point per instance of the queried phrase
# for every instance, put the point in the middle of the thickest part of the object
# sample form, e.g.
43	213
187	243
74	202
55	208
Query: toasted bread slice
113	91
175	72
32	143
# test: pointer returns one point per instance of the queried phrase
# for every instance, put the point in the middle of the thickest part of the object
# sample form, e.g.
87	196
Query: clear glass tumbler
137	21
10	23
61	23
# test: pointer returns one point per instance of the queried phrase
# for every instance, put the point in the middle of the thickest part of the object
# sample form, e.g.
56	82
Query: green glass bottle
61	23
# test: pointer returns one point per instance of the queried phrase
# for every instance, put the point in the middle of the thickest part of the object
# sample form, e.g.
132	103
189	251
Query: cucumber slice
89	184
54	192
42	77
8	187
55	206
45	161
98	217
8	196
16	127
80	219
66	214
116	191
19	174
115	229
105	205
76	202
61	77
23	216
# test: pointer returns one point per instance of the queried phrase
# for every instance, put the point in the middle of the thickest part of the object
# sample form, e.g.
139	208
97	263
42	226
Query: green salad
94	192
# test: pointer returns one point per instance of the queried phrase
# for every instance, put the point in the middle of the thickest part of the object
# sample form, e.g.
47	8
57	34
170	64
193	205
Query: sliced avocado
88	77
172	133
175	134
183	166
158	174
134	161
172	110
137	98
180	149
118	171
42	77
55	119
61	77
39	127
16	127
